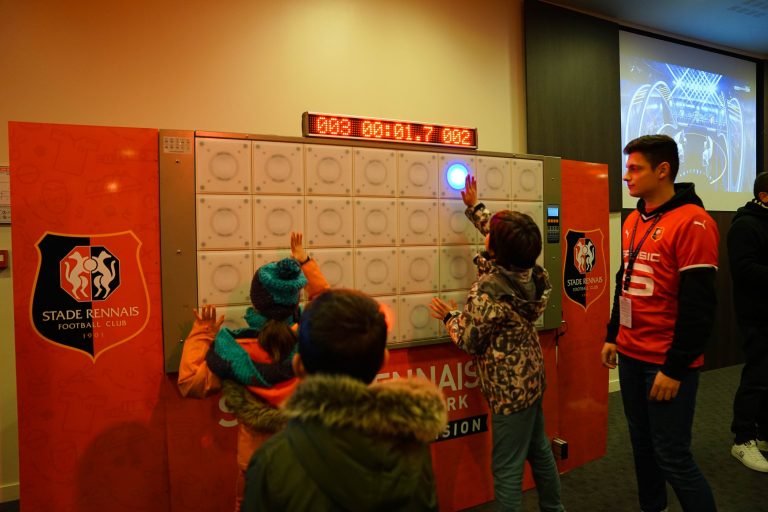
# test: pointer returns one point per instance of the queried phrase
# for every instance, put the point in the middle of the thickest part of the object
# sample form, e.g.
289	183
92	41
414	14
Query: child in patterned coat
497	327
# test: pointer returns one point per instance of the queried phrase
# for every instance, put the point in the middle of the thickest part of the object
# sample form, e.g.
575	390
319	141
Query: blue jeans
518	437
661	439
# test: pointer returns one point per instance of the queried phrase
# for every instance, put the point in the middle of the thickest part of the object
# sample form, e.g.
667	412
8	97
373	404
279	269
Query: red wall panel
583	381
101	426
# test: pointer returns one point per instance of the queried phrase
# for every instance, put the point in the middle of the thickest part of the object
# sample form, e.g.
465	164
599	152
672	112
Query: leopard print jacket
497	327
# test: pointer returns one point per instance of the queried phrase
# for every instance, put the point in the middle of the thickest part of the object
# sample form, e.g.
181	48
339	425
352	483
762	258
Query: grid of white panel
223	166
383	221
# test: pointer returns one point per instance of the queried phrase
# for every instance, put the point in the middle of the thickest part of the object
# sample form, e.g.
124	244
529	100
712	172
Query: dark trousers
661	439
750	406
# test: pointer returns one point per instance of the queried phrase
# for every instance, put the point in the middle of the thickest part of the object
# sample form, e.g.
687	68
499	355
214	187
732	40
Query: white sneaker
762	445
750	456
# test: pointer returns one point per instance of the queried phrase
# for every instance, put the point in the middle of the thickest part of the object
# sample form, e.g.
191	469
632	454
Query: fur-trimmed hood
351	446
403	408
250	410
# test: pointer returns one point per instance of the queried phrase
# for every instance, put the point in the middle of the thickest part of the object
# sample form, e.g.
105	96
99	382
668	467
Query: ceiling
740	26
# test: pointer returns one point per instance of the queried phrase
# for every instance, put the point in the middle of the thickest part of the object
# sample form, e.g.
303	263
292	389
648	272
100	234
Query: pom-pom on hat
275	288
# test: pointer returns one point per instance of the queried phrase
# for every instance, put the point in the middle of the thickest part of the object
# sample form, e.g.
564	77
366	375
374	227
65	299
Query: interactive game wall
385	219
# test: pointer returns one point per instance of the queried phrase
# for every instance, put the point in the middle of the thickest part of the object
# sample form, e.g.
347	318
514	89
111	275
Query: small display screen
553	211
364	128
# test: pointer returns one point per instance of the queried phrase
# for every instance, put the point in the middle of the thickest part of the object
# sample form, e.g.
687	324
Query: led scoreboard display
367	128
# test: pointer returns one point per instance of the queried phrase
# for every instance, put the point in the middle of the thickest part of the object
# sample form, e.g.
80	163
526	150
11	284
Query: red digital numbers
404	132
338	126
428	133
373	129
323	125
456	136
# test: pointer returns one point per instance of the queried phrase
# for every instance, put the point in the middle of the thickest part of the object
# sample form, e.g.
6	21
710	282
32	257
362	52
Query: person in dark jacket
748	254
349	445
662	317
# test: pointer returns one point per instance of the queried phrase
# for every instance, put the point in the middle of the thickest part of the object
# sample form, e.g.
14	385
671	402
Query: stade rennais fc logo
584	271
89	294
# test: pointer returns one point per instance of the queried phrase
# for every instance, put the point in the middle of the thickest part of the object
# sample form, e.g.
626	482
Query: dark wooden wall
572	88
762	121
725	347
574	111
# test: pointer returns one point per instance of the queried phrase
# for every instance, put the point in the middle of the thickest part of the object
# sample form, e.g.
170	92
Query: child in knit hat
252	365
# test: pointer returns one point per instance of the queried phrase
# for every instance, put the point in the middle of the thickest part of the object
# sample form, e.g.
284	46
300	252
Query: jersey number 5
640	286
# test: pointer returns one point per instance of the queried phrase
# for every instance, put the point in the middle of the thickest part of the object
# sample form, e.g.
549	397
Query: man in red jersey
662	317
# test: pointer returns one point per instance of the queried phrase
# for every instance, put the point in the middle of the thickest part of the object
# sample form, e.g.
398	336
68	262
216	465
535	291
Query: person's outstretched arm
195	378
316	282
471	328
476	211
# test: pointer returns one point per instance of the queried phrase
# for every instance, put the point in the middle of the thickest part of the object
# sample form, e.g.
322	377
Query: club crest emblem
89	273
584	271
656	235
89	293
584	255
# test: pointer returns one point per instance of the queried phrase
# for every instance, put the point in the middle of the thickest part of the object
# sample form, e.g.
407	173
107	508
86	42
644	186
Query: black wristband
302	263
447	317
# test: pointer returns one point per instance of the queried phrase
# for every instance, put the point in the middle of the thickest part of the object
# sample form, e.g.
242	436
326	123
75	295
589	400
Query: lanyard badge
635	251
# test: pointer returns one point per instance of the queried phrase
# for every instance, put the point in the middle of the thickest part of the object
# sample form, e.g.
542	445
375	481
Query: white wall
9	442
250	66
614	227
255	66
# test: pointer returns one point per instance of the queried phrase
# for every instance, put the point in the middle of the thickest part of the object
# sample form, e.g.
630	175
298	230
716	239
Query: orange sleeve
698	241
195	379
316	283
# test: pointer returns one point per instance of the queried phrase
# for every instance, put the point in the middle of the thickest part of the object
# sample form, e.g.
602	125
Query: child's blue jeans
519	437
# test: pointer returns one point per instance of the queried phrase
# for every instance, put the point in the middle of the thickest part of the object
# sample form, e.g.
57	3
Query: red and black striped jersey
683	238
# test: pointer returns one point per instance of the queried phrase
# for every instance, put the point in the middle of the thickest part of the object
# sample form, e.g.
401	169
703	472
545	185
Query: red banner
583	381
89	359
101	427
461	455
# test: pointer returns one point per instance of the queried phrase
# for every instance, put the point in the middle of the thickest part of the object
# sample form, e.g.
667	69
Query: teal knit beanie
275	288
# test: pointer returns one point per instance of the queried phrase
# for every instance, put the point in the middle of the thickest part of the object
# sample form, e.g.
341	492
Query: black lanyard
635	251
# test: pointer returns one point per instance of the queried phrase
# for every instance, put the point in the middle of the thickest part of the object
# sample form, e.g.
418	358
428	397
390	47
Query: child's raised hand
469	194
440	308
207	315
297	249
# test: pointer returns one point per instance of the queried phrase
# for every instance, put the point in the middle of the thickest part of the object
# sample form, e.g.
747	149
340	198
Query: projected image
706	103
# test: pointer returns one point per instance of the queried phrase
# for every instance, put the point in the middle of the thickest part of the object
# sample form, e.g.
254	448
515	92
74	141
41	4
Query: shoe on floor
762	445
750	456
